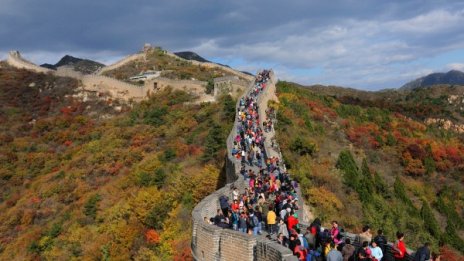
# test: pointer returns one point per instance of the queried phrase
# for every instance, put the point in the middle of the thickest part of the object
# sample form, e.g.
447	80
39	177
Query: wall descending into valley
210	242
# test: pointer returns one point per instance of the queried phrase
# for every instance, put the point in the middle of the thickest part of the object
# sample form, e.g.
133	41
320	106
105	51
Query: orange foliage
195	150
181	148
152	236
454	155
365	132
319	111
449	255
184	252
35	200
114	168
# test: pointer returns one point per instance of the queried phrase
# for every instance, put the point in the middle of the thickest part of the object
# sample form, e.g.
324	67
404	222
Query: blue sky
368	44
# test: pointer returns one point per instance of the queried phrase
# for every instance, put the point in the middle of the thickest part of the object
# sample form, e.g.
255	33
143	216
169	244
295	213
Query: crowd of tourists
269	202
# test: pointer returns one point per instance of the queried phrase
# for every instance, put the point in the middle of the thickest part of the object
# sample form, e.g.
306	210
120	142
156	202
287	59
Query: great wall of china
213	243
127	91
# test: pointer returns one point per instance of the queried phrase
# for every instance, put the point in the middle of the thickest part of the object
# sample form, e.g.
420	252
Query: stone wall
232	85
16	60
125	60
210	242
116	88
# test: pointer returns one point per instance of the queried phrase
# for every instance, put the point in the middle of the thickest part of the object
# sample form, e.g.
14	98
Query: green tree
91	206
349	168
210	86
303	146
213	143
391	140
228	108
429	220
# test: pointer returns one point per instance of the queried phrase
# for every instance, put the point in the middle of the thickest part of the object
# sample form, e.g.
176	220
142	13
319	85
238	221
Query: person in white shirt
376	251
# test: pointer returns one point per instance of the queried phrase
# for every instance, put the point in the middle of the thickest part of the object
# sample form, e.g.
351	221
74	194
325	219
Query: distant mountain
191	56
451	77
82	65
195	57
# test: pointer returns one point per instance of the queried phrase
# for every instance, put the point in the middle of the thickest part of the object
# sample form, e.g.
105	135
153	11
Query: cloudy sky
364	44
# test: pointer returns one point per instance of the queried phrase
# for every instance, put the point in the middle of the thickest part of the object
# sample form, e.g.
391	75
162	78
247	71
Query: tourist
381	240
253	223
335	233
283	228
310	237
224	203
365	235
299	251
282	240
235	219
399	247
334	254
423	253
292	243
376	251
292	221
364	253
219	216
271	221
347	250
242	223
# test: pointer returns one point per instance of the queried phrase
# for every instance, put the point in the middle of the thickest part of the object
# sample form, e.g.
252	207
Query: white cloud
360	53
455	66
430	22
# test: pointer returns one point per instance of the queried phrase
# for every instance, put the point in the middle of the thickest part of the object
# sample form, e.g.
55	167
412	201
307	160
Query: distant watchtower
147	47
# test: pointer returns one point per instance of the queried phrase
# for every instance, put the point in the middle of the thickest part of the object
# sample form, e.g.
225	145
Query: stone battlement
16	60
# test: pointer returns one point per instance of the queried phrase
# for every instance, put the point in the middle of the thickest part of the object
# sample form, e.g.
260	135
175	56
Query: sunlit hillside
361	164
84	180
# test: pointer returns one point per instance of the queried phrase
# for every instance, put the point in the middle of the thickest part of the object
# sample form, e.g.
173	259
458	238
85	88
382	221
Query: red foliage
114	168
184	254
35	200
454	155
68	143
416	151
152	236
138	140
361	134
66	110
194	150
319	111
449	255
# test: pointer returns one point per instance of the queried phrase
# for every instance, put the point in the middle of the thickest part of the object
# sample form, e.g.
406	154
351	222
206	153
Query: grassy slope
390	177
75	187
174	68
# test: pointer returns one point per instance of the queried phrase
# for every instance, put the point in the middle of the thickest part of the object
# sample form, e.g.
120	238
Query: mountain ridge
450	77
82	65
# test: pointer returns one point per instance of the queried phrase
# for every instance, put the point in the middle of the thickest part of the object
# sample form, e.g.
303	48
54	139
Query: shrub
303	146
90	207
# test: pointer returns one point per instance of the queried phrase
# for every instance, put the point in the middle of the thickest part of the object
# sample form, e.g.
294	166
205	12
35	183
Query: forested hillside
83	181
363	165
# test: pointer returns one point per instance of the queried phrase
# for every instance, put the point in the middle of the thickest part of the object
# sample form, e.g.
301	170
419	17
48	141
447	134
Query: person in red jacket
399	247
292	222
